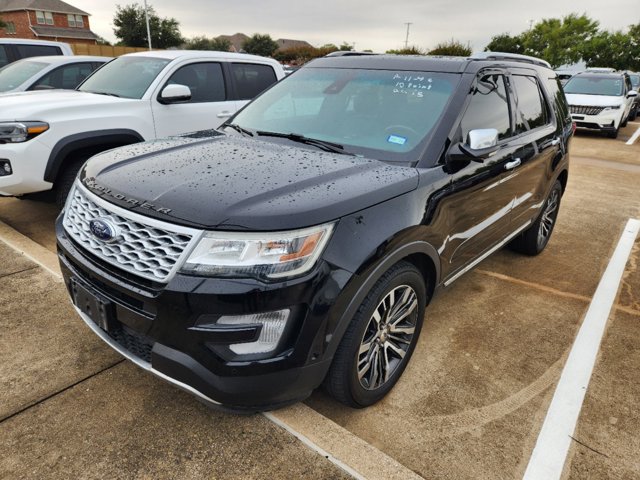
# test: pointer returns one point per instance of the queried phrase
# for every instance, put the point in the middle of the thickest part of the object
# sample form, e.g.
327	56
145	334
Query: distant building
286	44
45	20
238	40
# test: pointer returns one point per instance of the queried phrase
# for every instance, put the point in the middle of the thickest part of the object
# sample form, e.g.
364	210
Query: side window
4	56
25	51
554	87
252	79
488	108
205	80
67	77
533	110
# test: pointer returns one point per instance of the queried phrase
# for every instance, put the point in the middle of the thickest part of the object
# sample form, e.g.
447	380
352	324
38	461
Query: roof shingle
57	6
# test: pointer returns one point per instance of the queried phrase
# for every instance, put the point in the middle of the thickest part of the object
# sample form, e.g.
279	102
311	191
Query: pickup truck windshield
382	114
127	77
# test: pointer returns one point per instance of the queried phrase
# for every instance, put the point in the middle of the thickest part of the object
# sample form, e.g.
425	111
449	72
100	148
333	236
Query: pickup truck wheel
65	180
380	338
535	238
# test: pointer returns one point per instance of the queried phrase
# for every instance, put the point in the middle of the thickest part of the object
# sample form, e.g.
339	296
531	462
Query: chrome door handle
223	114
513	164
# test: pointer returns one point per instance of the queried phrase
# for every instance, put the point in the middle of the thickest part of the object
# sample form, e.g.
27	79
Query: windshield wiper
102	93
296	137
239	129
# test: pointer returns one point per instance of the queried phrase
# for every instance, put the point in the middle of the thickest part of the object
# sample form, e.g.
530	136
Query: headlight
612	107
268	255
16	132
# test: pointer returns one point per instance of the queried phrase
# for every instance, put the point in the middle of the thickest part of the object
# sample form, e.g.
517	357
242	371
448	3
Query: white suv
600	101
46	136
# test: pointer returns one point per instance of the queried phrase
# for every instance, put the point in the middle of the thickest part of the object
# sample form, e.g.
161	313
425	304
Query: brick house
45	20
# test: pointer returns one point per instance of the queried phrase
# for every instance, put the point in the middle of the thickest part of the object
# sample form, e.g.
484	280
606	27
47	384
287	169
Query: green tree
560	41
452	48
260	44
130	28
612	49
506	43
204	43
412	50
345	47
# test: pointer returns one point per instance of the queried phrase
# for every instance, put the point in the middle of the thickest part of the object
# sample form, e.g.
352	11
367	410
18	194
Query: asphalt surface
470	405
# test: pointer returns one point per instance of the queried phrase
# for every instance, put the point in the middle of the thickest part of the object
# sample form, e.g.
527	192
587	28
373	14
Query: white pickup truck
45	136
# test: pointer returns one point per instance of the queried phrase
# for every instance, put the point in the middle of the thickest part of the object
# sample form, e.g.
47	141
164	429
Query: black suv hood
233	182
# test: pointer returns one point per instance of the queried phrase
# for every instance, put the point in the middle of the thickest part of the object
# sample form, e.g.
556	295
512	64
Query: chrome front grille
143	246
585	110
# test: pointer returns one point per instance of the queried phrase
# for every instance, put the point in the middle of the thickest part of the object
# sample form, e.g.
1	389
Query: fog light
5	168
273	325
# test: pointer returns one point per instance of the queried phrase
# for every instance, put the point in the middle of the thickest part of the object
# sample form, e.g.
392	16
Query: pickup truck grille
143	246
585	110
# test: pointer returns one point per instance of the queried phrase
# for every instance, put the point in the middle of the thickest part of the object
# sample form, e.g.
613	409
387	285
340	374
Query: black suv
301	242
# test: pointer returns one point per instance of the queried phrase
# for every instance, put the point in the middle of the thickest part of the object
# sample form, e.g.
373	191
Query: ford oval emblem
103	230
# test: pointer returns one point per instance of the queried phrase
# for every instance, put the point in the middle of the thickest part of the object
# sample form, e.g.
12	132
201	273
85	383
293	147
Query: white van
12	49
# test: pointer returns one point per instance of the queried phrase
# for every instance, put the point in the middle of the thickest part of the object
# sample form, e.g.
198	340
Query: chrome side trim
140	363
485	254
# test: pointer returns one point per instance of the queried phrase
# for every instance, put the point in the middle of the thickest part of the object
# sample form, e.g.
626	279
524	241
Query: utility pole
406	39
146	16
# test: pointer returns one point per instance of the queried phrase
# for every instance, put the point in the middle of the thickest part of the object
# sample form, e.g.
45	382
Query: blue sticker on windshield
397	139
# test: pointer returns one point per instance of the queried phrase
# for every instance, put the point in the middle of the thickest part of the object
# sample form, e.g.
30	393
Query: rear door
209	106
250	80
538	143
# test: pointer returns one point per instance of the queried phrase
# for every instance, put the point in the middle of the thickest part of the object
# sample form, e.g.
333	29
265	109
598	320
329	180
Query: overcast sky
370	25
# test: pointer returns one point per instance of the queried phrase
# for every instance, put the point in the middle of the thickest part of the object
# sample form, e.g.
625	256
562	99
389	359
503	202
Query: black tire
624	123
633	114
403	283
613	134
65	180
535	238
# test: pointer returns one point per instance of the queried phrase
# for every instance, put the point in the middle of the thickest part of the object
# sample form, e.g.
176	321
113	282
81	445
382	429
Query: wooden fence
103	50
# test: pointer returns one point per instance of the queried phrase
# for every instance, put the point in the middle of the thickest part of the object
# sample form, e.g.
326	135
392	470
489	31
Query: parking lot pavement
470	405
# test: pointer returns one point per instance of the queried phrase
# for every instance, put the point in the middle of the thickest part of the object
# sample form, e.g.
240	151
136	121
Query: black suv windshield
594	85
381	114
127	77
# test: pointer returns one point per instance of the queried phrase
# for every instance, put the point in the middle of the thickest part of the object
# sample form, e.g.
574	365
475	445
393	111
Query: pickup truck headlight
17	132
268	255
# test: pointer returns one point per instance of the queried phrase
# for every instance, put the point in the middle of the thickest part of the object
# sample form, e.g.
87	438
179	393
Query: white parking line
634	137
550	453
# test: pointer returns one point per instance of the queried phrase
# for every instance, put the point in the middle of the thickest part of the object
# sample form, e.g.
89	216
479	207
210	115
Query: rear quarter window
4	56
252	79
25	51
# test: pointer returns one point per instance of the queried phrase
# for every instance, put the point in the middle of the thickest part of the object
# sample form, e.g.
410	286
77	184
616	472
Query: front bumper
158	328
28	163
607	121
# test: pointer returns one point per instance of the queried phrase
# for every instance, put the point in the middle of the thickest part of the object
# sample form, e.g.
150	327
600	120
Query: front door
207	108
477	211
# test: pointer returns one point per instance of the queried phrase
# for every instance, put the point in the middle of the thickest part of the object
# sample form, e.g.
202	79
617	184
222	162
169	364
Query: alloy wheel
548	218
387	337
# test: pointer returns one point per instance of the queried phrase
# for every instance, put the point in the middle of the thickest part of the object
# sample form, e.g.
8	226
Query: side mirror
632	93
481	144
175	94
483	138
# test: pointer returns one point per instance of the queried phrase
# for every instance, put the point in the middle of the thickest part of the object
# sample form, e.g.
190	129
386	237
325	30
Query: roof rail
348	53
511	57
